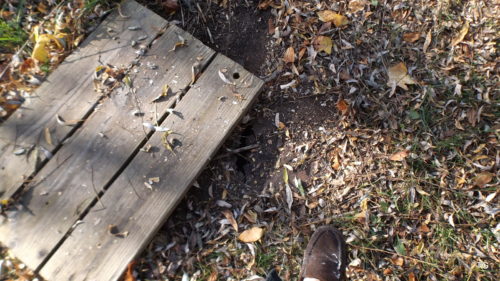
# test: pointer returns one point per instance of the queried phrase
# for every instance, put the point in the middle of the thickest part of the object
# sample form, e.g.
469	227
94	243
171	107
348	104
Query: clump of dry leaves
54	29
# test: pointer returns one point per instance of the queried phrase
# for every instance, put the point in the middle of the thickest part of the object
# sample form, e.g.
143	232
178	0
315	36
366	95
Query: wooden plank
67	185
69	92
210	110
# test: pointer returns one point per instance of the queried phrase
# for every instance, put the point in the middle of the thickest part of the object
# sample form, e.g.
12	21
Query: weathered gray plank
210	110
69	92
62	190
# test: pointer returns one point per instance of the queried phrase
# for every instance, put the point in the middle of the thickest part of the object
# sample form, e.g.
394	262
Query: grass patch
266	260
12	36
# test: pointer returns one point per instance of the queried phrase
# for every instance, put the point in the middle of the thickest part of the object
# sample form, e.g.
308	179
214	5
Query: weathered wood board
69	93
207	113
67	185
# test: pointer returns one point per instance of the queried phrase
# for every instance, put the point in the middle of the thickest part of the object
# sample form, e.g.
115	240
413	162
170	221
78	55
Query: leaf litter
404	161
408	172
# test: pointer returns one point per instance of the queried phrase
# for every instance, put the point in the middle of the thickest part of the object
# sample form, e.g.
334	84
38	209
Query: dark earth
241	32
243	36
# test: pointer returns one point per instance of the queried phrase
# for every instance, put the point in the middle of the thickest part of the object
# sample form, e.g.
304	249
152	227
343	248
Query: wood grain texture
210	109
67	185
69	92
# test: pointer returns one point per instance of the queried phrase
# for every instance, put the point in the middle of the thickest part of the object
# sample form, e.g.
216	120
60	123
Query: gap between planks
211	108
68	92
98	151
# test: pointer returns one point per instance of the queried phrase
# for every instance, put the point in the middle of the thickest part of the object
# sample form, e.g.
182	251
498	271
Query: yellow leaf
40	52
411	37
483	179
289	55
323	43
330	16
364	205
399	156
251	235
461	35
398	76
42	42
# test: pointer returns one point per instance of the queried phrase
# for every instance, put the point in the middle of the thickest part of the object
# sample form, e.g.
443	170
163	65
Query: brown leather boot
325	258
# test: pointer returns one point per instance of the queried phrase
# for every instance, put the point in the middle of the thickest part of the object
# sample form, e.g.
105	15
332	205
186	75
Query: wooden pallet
110	173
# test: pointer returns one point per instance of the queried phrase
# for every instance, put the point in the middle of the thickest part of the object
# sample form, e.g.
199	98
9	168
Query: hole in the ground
236	75
241	158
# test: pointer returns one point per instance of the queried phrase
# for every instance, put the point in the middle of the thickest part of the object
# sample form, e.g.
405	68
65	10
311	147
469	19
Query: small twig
93	187
244	148
132	186
201	13
51	172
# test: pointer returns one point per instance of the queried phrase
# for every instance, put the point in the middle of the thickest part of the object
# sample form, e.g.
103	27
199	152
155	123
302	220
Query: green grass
11	36
266	260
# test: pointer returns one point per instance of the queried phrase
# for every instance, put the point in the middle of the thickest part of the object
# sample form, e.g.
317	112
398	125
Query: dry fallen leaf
170	5
461	35
483	179
330	16
251	235
411	37
48	137
356	5
342	106
399	156
289	55
398	76
397	260
42	43
129	274
229	216
213	275
428	39
323	43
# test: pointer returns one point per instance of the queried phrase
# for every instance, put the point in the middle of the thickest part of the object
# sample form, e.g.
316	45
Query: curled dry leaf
331	16
411	37
289	56
342	106
42	43
224	78
461	35
398	76
229	216
483	179
129	274
251	235
399	156
323	43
